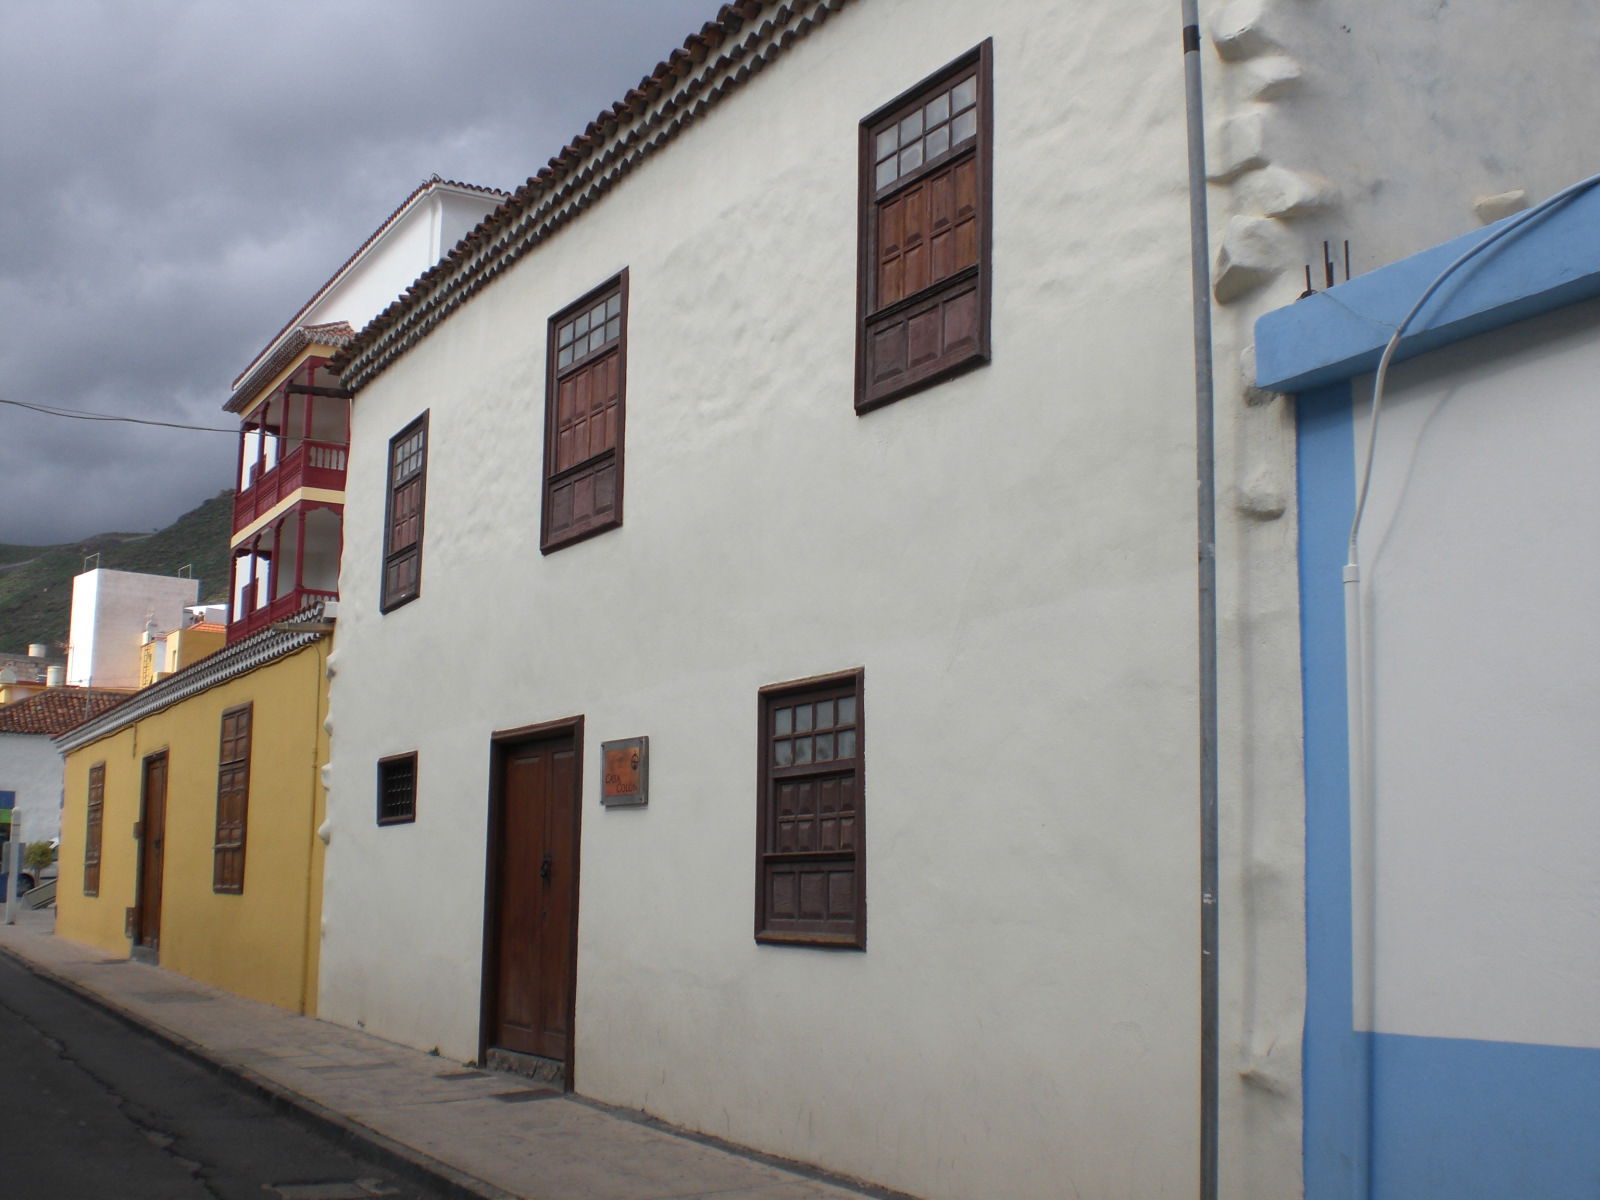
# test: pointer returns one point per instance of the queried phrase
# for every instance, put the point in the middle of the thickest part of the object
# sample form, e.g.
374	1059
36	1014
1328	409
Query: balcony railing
309	464
281	609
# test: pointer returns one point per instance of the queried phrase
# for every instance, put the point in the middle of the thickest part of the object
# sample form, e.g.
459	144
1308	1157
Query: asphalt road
93	1110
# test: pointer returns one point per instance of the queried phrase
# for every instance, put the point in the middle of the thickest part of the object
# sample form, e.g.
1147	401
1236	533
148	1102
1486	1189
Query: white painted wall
419	237
433	224
1482	552
31	767
1435	106
110	610
1009	556
386	270
1380	124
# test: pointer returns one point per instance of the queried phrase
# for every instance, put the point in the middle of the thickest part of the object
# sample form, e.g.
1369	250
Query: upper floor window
408	472
584	402
923	293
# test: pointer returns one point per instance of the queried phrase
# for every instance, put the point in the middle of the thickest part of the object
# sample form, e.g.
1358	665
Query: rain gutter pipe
1363	807
1205	476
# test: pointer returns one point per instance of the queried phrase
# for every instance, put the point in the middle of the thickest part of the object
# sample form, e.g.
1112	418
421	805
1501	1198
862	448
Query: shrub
38	856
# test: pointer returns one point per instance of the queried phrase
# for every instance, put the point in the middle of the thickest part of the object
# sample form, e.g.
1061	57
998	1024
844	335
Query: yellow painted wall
264	942
192	643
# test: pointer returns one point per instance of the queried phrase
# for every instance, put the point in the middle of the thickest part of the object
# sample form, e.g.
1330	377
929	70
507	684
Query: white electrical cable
1513	225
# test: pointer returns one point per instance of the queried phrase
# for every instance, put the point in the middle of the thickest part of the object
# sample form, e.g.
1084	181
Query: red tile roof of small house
56	710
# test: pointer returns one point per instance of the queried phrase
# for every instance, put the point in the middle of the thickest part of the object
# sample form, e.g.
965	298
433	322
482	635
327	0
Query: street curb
398	1157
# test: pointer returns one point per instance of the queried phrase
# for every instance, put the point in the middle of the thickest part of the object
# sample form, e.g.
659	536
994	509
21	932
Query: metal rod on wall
1205	473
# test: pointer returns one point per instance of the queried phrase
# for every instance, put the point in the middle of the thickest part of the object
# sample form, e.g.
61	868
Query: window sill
825	941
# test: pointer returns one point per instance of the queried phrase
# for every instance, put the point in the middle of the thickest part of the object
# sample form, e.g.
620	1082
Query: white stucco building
823	415
294	422
110	612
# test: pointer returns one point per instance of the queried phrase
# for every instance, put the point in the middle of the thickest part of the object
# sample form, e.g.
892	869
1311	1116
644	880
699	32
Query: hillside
36	581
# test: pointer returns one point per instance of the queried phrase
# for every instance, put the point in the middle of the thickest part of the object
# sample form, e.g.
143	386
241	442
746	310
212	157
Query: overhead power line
79	415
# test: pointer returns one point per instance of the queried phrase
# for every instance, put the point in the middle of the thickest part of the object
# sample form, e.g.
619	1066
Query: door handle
544	868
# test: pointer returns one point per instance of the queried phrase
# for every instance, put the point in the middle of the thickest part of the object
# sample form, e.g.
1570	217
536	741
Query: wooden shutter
810	852
584	406
925	233
94	828
233	800
402	563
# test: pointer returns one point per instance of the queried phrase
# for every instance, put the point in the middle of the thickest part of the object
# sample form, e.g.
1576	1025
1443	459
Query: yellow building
164	654
189	828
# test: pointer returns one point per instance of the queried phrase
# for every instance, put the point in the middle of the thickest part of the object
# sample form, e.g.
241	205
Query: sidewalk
482	1133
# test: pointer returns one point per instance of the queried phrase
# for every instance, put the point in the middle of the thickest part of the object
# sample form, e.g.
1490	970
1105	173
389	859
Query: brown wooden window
92	832
233	800
408	473
584	402
923	292
397	789
810	856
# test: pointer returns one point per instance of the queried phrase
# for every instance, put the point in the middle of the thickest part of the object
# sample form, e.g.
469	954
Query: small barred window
397	789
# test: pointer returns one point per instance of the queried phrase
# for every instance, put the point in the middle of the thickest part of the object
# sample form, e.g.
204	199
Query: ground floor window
810	848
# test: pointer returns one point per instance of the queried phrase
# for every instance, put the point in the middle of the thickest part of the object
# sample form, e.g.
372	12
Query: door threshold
549	1071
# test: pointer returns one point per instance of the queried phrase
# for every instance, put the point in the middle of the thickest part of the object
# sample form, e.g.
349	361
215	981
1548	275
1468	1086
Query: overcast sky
182	175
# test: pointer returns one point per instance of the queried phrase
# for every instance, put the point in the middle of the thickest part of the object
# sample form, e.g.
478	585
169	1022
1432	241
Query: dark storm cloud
183	175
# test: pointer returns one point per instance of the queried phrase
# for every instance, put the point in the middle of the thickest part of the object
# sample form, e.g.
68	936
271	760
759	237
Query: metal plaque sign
625	772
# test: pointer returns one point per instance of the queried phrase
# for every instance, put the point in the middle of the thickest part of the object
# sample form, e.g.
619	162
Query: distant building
164	654
193	812
191	809
111	610
30	764
295	420
26	673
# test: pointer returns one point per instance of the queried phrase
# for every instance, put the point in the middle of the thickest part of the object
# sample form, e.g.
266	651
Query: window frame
389	601
869	313
223	874
94	829
554	374
385	765
842	936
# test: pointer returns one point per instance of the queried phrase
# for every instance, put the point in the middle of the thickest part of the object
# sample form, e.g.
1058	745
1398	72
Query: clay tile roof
207	627
333	333
245	655
56	710
712	64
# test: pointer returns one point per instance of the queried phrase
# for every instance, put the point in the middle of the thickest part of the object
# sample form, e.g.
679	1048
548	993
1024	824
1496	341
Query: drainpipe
1206	494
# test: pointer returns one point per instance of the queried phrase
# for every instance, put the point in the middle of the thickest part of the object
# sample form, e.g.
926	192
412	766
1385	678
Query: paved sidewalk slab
485	1133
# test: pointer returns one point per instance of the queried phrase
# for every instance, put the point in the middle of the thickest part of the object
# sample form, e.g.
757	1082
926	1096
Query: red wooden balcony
309	464
281	609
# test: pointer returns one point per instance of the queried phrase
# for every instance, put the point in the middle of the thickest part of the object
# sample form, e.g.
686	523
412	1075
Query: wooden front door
152	837
533	896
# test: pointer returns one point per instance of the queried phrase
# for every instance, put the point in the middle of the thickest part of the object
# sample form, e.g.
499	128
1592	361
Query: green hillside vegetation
36	581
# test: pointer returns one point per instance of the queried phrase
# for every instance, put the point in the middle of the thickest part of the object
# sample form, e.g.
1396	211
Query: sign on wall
625	772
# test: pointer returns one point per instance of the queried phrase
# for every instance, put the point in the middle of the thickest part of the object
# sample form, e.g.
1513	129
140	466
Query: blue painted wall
1388	1116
